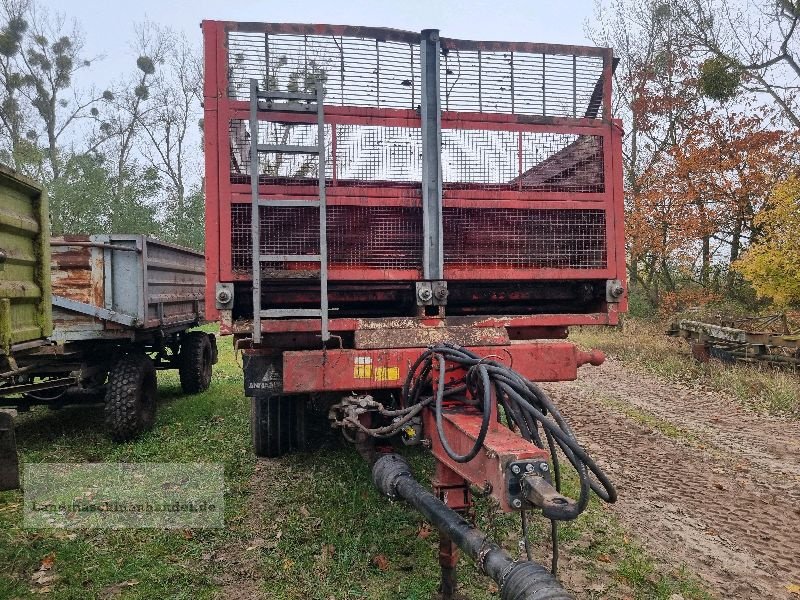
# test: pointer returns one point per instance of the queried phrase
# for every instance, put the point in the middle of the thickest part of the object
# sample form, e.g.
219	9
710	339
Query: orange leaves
380	562
711	184
678	300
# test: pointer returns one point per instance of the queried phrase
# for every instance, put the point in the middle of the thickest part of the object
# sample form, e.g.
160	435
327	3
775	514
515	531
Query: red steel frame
221	194
352	370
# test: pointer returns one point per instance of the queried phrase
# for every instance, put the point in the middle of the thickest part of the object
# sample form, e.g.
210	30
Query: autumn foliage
698	203
772	263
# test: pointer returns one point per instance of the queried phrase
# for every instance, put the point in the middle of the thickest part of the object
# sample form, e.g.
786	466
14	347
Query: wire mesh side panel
548	85
366	154
371	237
356	71
471	158
500	238
368	72
278	167
516	160
359	237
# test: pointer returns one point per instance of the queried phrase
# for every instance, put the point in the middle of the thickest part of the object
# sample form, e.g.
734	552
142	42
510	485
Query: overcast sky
108	24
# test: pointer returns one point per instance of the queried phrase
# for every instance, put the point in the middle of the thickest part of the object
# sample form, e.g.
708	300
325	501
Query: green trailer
25	299
89	319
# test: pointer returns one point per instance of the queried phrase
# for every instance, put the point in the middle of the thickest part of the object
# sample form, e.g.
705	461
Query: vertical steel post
323	214
512	82
433	249
574	86
255	217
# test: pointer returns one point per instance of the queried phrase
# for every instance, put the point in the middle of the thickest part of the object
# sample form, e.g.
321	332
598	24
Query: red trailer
411	190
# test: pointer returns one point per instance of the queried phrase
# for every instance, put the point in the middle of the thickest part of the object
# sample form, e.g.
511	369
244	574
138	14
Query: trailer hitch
530	486
518	580
491	428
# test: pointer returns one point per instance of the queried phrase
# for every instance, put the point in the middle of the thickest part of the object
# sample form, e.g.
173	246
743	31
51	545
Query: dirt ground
702	482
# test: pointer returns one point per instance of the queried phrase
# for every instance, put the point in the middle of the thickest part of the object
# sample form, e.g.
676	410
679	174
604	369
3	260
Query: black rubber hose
518	580
525	405
487	415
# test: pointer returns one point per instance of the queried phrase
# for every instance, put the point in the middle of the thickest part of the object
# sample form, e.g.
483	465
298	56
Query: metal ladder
263	101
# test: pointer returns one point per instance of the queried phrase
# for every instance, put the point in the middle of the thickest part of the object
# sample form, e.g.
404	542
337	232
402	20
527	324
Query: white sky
108	24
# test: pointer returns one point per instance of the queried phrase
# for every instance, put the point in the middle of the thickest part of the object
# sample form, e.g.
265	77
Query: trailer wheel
271	423
300	438
131	397
196	358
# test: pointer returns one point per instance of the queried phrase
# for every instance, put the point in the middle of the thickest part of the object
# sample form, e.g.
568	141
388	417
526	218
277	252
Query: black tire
195	360
271	424
131	396
300	433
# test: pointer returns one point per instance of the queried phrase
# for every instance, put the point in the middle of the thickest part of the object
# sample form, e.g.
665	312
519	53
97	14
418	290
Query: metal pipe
518	580
95	245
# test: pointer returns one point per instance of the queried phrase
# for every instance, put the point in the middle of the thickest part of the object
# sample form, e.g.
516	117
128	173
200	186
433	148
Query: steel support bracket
431	293
431	118
515	471
224	296
615	290
490	469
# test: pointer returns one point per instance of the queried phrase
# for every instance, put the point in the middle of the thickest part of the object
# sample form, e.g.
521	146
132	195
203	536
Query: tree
46	58
709	189
752	44
16	149
82	202
118	122
655	93
772	263
168	141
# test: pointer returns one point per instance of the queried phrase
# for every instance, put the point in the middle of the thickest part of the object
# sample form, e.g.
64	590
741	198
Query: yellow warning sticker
387	373
362	367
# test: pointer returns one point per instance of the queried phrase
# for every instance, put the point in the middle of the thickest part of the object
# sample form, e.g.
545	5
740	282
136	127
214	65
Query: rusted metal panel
542	325
546	206
104	284
24	255
352	370
502	446
421	337
77	274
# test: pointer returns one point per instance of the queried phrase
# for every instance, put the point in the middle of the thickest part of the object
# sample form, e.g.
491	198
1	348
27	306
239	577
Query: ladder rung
288	149
286	95
265	106
290	258
291	312
290	203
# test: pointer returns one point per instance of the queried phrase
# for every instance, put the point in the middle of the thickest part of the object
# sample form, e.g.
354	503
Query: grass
311	526
644	344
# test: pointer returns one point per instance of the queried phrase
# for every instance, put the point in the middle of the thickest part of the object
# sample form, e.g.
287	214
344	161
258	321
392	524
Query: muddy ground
703	482
705	485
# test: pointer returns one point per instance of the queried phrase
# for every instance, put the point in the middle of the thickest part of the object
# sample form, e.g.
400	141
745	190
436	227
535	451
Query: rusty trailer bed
118	286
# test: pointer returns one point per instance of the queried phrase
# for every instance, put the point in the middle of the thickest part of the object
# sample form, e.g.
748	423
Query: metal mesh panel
356	71
358	236
366	154
532	239
277	166
552	162
549	85
386	74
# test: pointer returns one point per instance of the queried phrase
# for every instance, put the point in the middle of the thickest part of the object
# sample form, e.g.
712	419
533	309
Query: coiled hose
526	407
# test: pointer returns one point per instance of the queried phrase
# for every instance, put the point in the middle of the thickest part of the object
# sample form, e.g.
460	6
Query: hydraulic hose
526	407
518	580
